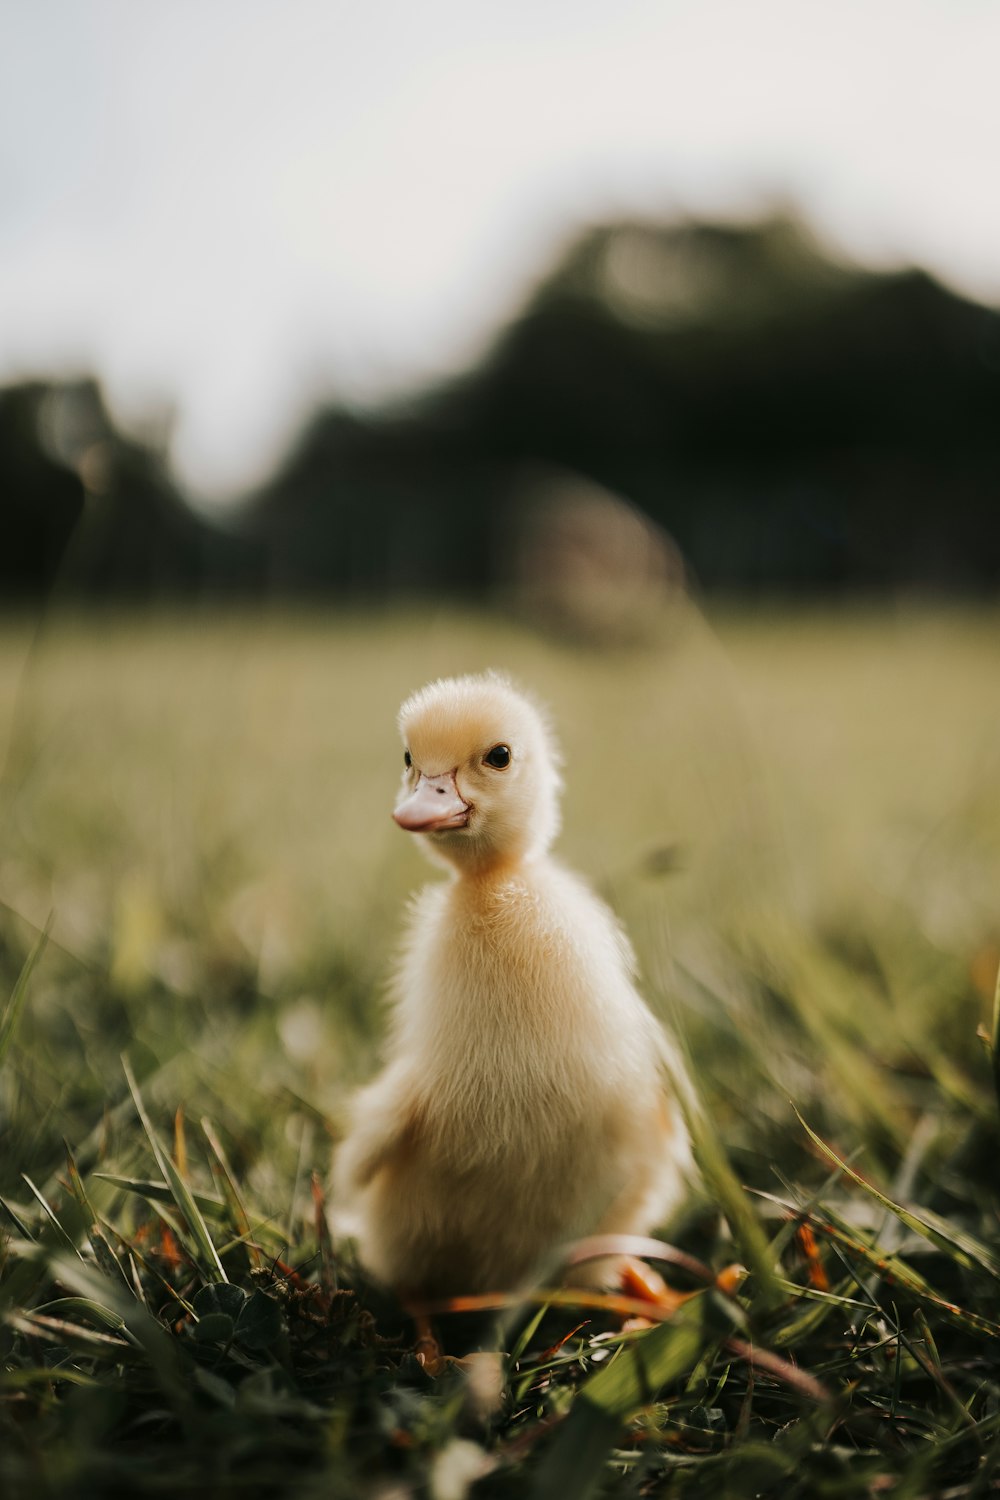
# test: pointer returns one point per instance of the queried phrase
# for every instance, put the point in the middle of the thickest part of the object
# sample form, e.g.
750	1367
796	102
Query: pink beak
434	804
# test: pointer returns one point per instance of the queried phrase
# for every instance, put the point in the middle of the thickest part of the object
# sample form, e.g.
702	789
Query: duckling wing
382	1127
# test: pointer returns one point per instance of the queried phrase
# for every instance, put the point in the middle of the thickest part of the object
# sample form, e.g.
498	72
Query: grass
797	816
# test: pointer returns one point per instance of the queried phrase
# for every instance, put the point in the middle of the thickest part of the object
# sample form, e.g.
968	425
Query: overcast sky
235	206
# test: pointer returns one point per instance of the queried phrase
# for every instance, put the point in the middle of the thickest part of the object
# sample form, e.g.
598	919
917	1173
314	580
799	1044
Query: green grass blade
138	1259
643	1367
963	1247
160	1350
27	1271
304	1151
49	1213
575	1463
891	1266
26	1378
103	1253
160	1192
12	1010
38	1325
182	1194
102	1317
995	1039
91	1148
525	1336
223	1175
781	1240
728	1192
16	1219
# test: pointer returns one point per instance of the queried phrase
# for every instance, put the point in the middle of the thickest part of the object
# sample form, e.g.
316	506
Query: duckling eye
498	757
407	759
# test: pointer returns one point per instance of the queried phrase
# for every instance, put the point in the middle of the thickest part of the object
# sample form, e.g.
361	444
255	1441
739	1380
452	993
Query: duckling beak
434	804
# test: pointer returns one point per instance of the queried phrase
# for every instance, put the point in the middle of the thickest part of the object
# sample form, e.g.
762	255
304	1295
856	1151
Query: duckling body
525	1101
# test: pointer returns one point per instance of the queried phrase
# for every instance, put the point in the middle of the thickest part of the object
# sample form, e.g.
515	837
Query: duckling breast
517	1008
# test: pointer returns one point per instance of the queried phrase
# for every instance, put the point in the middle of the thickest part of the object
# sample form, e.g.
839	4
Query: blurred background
649	351
360	302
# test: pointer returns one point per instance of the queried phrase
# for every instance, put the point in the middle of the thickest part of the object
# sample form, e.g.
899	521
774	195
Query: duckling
525	1099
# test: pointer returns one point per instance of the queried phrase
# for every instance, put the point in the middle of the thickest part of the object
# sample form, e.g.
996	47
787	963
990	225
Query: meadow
796	813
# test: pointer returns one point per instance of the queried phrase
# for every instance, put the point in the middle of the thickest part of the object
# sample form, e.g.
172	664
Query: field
797	816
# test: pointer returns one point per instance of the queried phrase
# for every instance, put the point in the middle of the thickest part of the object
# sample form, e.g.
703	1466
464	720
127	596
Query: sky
230	210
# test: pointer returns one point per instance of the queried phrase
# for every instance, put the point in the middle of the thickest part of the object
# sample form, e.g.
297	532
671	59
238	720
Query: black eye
498	757
407	759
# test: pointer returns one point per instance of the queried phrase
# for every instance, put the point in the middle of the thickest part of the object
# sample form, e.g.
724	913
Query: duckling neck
495	869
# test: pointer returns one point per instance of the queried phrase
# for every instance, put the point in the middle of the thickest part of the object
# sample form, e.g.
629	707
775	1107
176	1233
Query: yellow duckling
525	1100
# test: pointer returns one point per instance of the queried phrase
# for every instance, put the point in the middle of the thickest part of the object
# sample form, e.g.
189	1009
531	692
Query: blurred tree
96	515
41	500
791	422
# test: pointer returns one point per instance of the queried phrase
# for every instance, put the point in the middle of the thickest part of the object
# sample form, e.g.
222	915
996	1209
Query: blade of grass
135	1282
24	1267
995	1039
180	1141
160	1192
832	1004
787	1231
305	1147
60	1331
25	1379
93	1145
575	1463
173	1221
104	1318
15	1218
12	1010
160	1350
102	1250
891	1268
525	1336
135	1287
182	1194
826	1221
223	1175
964	1248
328	1265
66	1238
641	1369
728	1192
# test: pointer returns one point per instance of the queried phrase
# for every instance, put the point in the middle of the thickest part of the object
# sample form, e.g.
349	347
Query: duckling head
481	775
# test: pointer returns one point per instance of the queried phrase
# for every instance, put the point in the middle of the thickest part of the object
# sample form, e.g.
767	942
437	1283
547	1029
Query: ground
795	812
